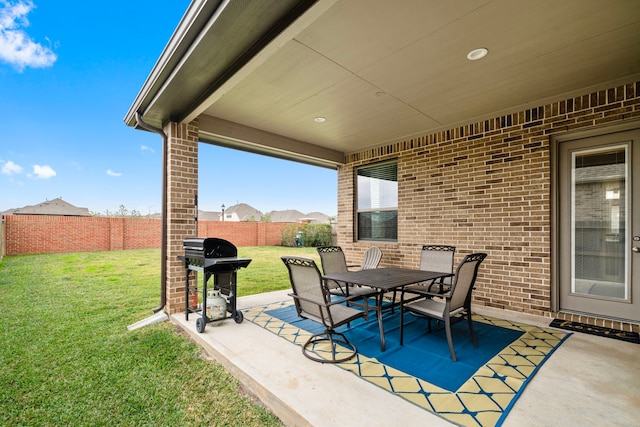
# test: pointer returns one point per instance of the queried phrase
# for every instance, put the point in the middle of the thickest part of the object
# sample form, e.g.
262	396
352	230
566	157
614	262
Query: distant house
57	207
290	215
319	217
244	212
297	216
208	215
235	213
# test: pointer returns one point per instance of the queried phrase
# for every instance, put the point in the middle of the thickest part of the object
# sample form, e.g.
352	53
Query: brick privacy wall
485	187
36	234
243	233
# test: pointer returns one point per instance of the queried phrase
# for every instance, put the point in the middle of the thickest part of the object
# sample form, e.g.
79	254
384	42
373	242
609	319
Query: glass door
599	227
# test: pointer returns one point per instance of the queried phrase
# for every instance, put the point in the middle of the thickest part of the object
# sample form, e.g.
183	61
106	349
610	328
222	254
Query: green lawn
67	357
267	273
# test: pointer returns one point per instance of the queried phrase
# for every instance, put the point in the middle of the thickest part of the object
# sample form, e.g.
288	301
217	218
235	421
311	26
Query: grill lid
209	247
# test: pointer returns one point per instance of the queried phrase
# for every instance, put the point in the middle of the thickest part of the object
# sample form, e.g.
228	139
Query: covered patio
588	381
469	107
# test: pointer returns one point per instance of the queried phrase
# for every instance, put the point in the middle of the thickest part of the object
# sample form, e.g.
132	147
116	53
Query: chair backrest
306	282
333	259
372	258
438	258
464	279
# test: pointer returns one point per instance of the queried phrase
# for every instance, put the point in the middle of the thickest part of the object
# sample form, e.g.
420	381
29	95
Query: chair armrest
424	292
437	294
341	285
322	303
420	294
319	303
344	299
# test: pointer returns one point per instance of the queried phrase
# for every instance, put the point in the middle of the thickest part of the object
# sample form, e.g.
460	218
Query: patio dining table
385	280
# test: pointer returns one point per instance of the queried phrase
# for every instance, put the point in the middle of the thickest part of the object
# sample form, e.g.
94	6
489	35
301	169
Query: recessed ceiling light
320	119
476	54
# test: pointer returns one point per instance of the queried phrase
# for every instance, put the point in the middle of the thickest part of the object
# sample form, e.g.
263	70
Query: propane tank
216	305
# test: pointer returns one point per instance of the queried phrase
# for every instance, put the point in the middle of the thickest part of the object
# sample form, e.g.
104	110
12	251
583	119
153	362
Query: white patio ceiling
258	73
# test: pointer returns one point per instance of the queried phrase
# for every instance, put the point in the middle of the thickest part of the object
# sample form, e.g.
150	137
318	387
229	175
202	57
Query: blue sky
69	70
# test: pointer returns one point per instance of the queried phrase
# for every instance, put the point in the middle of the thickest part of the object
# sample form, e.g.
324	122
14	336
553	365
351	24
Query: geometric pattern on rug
483	400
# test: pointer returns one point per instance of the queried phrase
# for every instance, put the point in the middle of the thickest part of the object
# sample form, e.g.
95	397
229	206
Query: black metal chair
457	301
432	258
435	258
334	261
313	301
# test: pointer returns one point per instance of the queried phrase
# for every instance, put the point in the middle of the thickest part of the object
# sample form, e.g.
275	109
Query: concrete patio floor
588	381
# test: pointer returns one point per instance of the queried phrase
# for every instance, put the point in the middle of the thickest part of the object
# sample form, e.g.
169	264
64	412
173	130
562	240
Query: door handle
635	249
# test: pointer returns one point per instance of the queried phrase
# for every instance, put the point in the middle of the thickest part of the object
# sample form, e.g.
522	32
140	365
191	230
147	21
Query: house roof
257	74
52	207
318	216
247	212
244	212
290	215
209	215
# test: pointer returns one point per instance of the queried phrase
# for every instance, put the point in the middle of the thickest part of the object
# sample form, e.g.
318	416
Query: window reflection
377	209
599	222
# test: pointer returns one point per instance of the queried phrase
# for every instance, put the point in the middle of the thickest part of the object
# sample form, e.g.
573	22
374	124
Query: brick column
182	186
116	234
346	206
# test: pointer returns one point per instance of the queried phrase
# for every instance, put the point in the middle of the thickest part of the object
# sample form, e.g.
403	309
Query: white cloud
16	47
42	172
10	168
145	148
112	173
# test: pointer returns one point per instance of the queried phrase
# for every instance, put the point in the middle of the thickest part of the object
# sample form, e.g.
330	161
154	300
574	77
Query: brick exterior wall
485	187
38	234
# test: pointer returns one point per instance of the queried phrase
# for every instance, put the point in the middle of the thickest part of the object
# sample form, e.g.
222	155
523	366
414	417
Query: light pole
223	212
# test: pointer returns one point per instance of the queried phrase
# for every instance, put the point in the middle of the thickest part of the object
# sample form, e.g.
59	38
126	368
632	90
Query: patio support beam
240	137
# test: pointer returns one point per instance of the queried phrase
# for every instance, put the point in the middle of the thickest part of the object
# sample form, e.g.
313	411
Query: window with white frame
377	202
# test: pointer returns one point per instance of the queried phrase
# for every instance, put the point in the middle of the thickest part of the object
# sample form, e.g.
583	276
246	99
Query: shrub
317	235
312	234
289	234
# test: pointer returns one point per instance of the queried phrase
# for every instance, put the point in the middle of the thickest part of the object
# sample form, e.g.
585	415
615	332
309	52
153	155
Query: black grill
209	247
215	257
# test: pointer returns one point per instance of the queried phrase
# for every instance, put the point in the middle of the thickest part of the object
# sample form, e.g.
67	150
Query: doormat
485	395
600	331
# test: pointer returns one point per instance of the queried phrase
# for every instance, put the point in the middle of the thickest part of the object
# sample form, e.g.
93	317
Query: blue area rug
423	355
478	390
